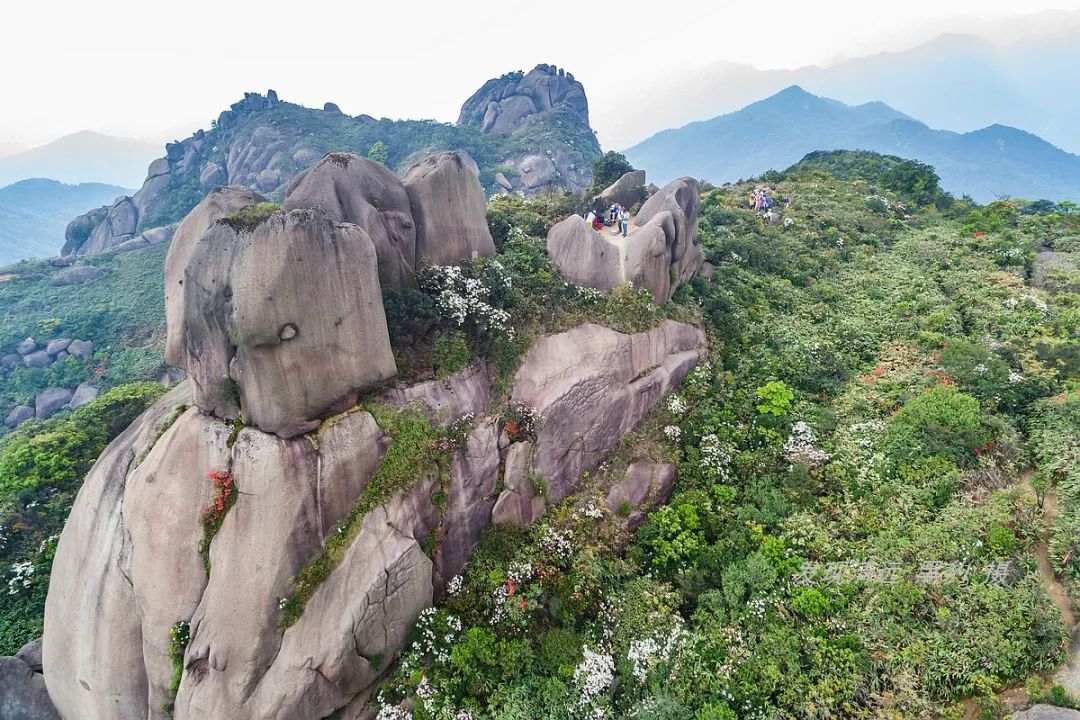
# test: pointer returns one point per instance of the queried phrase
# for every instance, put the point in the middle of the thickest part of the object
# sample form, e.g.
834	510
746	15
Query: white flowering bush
462	299
800	446
593	678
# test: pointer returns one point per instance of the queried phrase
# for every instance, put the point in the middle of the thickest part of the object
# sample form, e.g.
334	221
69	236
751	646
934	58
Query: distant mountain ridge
82	157
959	82
34	213
776	132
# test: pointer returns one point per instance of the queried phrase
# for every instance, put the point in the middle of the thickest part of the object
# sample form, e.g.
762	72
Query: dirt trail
1016	697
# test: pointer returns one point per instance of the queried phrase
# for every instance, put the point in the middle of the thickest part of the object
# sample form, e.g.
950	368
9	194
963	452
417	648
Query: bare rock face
504	103
23	695
217	204
644	486
350	188
284	322
584	256
117	224
593	385
627	191
659	254
445	401
450	210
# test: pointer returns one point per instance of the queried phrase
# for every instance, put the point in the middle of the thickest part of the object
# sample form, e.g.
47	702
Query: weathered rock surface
445	401
627	191
350	188
92	643
659	254
593	385
504	103
30	653
81	349
22	692
18	415
10	360
37	359
518	503
26	346
449	209
645	485
57	345
584	256
117	224
82	395
1046	712
218	204
49	401
286	318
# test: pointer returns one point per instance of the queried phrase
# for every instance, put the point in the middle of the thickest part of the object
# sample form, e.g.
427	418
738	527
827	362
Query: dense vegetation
853	528
122	313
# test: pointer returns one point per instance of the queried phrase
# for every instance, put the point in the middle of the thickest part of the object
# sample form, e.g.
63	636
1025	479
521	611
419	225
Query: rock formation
280	324
660	253
284	322
449	208
504	103
627	191
218	204
350	188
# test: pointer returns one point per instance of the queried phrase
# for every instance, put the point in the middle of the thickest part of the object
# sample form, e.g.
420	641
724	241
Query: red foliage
223	495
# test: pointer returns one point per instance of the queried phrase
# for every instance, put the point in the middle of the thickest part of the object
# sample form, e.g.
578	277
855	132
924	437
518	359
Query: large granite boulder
350	188
591	386
217	204
449	209
37	359
659	254
126	573
49	402
18	415
681	198
119	223
83	394
445	401
23	695
82	349
55	346
283	322
627	191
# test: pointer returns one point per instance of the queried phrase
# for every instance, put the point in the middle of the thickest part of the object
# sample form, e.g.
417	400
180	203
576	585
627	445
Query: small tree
610	167
379	152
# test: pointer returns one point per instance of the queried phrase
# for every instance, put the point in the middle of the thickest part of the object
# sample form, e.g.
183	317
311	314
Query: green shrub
941	422
450	354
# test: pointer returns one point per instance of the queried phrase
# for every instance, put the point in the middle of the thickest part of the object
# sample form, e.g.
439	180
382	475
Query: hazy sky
152	68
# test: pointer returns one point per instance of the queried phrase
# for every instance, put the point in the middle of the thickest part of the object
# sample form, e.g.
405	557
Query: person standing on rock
624	221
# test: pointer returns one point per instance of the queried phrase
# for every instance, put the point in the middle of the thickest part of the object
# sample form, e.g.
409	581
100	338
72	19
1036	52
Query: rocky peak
506	102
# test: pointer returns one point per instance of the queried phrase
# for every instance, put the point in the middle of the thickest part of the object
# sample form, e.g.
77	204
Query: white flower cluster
865	434
453	586
799	447
1013	253
981	369
673	433
393	712
431	642
593	676
789	222
1015	378
592	511
559	544
677	405
646	653
462	298
520	572
21	576
716	457
528	419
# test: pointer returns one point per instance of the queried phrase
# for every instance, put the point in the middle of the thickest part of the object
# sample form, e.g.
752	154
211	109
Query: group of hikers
617	217
761	202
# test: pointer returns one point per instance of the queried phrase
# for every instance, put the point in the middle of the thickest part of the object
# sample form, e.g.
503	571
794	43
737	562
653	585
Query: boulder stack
660	253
